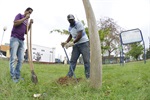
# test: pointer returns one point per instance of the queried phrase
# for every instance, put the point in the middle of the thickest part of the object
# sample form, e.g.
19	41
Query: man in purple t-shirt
17	42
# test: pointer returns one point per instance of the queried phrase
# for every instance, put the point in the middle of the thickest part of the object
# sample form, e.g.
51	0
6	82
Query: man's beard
72	24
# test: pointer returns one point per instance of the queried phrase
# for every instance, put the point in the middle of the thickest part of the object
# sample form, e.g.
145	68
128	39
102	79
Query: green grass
128	82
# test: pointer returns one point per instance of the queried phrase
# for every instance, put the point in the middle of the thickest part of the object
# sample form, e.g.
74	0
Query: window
43	50
33	48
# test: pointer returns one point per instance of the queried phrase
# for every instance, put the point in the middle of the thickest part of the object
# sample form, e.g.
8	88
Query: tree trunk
95	47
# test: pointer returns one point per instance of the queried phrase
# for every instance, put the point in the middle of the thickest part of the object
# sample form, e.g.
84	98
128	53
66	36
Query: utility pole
4	29
149	43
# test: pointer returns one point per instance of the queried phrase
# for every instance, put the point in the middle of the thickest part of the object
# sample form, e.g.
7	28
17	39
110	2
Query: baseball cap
70	16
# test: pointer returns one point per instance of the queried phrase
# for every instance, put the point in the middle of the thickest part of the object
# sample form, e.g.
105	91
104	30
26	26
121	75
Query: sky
51	14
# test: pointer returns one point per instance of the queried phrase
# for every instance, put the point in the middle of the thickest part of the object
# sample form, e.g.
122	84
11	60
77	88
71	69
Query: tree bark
95	47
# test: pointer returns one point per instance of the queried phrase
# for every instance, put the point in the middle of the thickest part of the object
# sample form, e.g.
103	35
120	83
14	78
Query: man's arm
78	37
18	22
69	38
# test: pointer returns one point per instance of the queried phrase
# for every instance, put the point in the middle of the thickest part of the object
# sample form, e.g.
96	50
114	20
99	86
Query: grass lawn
128	82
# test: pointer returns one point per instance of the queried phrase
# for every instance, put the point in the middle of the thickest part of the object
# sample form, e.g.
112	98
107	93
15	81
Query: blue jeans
16	50
78	49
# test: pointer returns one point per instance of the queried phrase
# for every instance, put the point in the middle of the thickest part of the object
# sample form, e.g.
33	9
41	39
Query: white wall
43	54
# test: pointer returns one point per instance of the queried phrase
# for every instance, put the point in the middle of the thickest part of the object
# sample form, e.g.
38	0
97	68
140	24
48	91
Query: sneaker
21	79
15	80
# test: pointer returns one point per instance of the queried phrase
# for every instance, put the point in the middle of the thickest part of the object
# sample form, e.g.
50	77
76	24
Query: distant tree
109	35
136	50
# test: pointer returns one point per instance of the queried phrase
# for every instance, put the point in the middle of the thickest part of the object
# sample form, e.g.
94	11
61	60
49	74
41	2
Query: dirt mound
68	80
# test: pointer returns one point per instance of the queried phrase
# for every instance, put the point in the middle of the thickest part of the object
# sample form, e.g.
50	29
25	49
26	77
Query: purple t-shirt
19	31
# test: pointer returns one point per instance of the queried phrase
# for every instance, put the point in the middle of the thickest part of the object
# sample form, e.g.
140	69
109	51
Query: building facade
39	53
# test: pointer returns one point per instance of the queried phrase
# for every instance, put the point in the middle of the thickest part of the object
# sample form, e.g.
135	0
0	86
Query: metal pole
4	29
2	37
70	65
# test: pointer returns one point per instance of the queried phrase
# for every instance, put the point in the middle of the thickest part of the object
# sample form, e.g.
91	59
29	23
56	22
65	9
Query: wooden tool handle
29	47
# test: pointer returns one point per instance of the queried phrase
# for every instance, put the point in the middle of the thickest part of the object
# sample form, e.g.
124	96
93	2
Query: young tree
95	47
60	31
136	50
